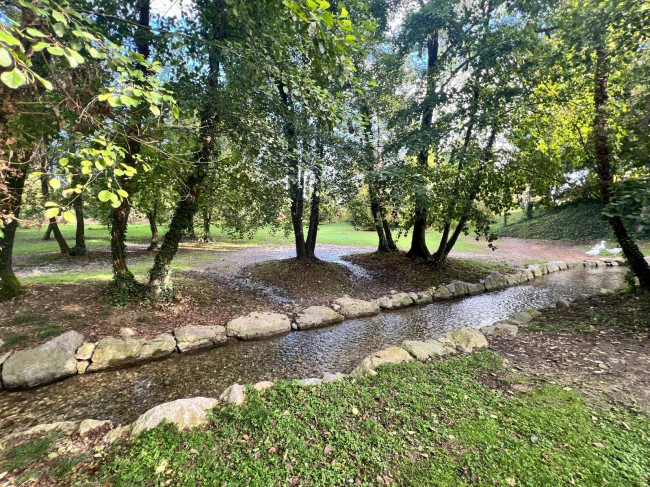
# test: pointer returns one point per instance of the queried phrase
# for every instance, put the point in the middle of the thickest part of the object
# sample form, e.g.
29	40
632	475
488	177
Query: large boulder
391	355
475	288
356	308
458	288
501	328
467	339
158	347
395	301
49	362
535	269
258	325
442	293
424	297
193	337
553	267
317	316
494	281
184	413
112	352
424	351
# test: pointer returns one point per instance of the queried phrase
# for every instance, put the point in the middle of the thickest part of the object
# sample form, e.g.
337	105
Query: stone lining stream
122	395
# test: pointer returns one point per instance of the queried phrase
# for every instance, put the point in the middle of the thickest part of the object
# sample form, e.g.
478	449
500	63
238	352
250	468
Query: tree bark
152	216
388	232
418	239
207	217
48	232
314	214
602	156
10	211
80	230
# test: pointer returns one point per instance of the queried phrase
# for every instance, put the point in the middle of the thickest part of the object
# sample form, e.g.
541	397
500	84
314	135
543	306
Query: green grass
27	453
577	221
412	424
28	241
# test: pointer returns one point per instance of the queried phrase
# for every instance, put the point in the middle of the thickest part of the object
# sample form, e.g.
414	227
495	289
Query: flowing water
122	395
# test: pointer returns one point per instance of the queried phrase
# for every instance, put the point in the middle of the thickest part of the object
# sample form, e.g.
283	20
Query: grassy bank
447	423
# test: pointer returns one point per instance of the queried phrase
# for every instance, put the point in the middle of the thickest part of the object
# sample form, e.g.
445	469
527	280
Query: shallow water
122	395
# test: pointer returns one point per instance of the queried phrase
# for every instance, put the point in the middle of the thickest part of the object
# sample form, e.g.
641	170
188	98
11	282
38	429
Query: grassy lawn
29	241
442	424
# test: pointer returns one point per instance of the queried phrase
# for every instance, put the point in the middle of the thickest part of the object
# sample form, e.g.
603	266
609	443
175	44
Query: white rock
395	301
425	350
501	328
467	339
184	413
316	317
262	385
329	378
127	332
258	325
85	351
234	394
51	361
356	308
88	426
117	433
312	381
193	337
82	366
391	355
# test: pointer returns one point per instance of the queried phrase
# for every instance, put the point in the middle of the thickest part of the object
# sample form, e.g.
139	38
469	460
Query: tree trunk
48	232
389	234
160	283
120	215
314	214
10	210
207	216
80	231
602	156
53	226
418	239
152	216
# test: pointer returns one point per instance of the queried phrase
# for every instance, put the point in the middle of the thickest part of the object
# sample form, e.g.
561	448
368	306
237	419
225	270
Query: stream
122	395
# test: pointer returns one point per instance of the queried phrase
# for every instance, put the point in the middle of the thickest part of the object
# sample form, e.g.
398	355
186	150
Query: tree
39	44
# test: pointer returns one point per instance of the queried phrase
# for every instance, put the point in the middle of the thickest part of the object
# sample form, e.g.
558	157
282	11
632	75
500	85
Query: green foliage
434	424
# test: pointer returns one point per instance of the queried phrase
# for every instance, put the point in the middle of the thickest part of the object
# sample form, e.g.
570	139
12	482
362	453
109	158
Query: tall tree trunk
389	234
152	216
418	239
120	215
296	176
80	230
602	156
207	217
439	259
373	193
10	211
160	283
314	213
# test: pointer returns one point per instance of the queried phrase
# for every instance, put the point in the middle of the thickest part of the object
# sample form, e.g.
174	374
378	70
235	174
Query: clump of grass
48	331
28	319
27	453
12	339
66	466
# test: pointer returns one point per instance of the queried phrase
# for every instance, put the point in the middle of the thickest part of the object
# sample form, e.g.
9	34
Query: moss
9	286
